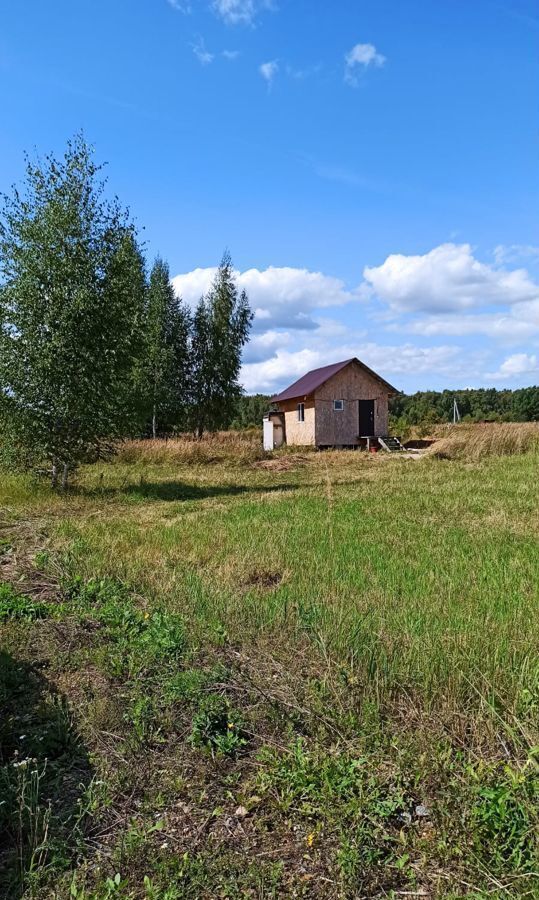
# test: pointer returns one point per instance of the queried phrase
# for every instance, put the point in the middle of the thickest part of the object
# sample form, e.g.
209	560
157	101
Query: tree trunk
200	432
154	423
54	474
65	473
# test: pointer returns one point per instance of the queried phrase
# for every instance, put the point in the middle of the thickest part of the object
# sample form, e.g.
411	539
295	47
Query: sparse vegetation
311	676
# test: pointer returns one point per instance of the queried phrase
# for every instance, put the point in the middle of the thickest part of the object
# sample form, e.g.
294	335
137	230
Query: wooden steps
391	444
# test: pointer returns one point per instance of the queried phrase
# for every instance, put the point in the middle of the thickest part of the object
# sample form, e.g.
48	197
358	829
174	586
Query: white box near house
273	430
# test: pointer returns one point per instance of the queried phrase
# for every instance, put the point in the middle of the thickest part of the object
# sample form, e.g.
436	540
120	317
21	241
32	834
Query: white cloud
240	12
507	328
514	253
235	11
285	365
281	369
447	279
202	54
180	5
361	56
263	346
192	285
527	312
286	286
231	55
305	319
269	70
302	74
516	365
283	297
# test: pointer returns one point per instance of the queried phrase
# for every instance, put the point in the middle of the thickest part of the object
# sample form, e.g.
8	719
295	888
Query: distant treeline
474	405
426	407
249	410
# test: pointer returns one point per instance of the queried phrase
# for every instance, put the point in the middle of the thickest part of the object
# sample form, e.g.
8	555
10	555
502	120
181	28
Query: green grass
328	645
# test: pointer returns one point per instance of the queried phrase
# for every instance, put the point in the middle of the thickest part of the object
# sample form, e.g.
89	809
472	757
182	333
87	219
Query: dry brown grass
234	447
282	463
479	441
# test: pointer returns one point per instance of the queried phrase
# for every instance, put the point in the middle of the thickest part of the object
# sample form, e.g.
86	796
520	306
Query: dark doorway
366	418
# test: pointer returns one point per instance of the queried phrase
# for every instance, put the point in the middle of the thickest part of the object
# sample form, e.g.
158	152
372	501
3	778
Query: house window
301	412
338	405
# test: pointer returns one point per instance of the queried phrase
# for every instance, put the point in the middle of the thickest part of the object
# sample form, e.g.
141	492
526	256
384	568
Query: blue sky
371	164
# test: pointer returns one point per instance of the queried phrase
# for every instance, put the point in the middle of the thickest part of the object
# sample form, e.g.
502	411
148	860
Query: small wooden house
342	405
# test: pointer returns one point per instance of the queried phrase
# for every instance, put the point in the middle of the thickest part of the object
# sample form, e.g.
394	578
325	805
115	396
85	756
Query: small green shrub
505	818
95	592
188	686
142	716
42	559
217	726
143	643
18	606
139	642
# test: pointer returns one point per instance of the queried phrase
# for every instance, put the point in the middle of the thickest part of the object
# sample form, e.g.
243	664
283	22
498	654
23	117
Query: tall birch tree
72	298
221	328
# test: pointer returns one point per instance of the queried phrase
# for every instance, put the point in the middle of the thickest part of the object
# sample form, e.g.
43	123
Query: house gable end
330	387
308	385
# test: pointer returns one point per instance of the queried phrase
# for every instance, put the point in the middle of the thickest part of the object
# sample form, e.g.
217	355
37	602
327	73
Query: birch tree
167	363
72	294
222	324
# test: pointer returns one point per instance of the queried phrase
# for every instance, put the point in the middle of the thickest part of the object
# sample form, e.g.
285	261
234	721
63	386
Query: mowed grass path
421	576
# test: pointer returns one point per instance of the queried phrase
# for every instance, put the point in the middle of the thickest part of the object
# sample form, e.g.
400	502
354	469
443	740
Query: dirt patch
418	444
20	546
265	579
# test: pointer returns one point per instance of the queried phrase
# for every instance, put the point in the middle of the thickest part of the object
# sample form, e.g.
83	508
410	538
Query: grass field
310	676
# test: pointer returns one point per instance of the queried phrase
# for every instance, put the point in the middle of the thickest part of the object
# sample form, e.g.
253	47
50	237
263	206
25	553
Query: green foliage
87	594
166	366
188	685
347	796
139	643
142	716
249	411
89	352
428	408
221	327
217	726
505	817
71	305
311	784
17	606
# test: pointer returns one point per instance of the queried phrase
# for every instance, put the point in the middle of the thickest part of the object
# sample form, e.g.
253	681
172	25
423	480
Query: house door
366	418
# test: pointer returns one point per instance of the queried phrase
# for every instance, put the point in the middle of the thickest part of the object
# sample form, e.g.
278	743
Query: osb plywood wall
351	384
298	432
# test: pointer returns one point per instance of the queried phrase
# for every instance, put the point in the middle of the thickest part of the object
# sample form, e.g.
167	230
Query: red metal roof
313	380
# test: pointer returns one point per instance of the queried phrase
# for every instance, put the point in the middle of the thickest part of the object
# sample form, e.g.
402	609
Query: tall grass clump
232	447
479	441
